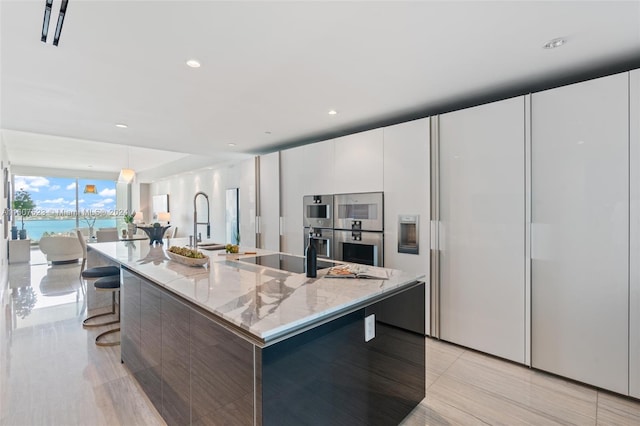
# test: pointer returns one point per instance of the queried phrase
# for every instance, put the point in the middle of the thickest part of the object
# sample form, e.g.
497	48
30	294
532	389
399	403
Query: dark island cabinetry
198	370
193	370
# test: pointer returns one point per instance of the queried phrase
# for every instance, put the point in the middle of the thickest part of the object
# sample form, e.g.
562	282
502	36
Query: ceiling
271	71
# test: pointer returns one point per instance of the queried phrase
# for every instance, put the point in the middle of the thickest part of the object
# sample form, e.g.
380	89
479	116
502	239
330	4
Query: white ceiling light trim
121	125
333	112
193	63
556	42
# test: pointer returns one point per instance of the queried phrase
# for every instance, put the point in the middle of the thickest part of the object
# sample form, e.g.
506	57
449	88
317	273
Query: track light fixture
45	22
47	17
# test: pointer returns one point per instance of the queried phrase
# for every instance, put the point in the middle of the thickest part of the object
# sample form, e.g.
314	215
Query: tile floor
51	372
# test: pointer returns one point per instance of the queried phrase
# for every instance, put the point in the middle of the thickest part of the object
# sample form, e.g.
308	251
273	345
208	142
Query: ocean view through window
61	208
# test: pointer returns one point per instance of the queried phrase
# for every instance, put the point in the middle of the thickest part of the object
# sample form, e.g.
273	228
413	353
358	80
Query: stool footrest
99	336
100	324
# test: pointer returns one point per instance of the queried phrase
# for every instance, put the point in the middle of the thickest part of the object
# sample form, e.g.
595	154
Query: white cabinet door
634	267
359	162
482	237
406	191
269	225
580	231
305	170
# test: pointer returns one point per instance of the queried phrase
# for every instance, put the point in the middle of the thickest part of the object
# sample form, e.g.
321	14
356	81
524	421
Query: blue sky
54	194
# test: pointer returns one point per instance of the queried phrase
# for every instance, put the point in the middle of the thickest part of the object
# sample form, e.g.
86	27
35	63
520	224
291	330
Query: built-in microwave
359	247
322	239
364	211
317	211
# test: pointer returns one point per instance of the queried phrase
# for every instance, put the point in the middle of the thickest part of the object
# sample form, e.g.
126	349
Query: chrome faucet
195	220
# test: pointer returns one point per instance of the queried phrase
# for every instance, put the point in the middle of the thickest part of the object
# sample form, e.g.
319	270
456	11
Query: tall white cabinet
304	170
358	162
482	232
580	231
406	191
352	163
634	222
268	221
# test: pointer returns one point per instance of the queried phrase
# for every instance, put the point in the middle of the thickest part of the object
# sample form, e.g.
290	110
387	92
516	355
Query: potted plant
128	219
24	204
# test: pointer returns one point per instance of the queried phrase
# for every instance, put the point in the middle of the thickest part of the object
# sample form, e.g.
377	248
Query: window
61	205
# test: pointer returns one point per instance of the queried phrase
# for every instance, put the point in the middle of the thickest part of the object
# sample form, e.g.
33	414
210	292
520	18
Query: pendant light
127	175
90	189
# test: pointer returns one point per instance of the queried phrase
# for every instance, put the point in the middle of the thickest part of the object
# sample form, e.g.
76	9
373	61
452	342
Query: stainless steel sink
211	246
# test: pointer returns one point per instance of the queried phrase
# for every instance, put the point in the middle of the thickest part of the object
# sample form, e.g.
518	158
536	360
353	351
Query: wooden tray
189	261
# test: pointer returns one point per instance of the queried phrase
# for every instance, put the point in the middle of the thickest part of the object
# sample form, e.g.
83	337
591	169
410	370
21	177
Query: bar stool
107	279
110	283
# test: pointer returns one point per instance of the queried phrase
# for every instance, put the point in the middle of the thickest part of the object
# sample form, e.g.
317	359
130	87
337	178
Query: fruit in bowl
187	256
232	248
186	252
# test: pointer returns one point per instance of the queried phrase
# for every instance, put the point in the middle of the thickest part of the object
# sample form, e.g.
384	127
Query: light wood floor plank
617	410
51	373
434	412
559	400
440	356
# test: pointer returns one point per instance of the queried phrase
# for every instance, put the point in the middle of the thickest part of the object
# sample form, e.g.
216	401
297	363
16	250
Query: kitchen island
238	342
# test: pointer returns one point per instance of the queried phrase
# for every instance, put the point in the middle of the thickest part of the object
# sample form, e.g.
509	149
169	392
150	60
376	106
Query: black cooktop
285	262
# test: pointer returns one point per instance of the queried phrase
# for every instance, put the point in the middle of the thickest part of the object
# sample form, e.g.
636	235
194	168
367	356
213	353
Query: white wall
243	176
141	200
214	182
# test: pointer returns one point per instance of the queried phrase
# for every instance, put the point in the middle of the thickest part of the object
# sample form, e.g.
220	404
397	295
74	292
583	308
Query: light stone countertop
266	303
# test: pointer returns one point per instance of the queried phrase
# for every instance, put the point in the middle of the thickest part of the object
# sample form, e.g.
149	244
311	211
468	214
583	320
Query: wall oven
359	247
317	211
364	211
323	240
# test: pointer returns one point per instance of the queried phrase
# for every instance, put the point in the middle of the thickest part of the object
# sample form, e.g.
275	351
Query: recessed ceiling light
556	42
231	144
333	112
193	63
267	132
90	166
121	125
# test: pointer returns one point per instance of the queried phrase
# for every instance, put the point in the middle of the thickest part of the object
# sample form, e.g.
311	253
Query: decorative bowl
189	261
155	233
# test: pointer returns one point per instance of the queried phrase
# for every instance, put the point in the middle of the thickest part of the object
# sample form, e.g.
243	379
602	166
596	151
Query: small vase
131	229
23	234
